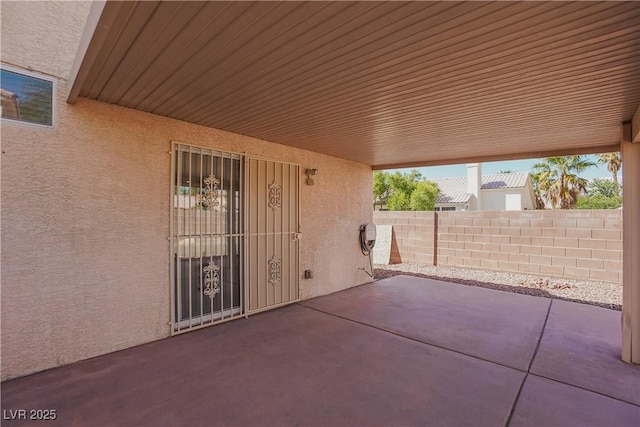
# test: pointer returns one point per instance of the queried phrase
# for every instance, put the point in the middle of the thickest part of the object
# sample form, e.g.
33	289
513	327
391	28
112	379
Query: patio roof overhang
388	84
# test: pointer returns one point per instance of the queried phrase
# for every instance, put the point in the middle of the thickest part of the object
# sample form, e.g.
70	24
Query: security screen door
206	237
272	273
234	240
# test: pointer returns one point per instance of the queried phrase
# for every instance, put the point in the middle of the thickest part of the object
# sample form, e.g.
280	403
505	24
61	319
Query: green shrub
399	202
599	201
424	196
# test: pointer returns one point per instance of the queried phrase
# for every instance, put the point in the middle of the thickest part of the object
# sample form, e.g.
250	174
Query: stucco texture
42	35
85	221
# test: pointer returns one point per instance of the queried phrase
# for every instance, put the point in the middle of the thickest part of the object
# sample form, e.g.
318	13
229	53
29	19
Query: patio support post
630	153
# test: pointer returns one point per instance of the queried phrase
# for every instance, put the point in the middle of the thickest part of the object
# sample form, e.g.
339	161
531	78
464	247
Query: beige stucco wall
493	200
85	220
43	35
496	200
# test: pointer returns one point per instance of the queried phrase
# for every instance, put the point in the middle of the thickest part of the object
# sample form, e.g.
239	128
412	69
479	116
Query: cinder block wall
414	234
578	244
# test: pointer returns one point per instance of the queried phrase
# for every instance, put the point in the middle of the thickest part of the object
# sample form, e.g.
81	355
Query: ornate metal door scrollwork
275	274
275	195
211	280
210	197
275	201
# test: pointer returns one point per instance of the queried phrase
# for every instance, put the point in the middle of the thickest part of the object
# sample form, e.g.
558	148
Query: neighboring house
496	192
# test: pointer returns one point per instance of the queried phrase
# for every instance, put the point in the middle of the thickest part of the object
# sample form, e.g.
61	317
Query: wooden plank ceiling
382	83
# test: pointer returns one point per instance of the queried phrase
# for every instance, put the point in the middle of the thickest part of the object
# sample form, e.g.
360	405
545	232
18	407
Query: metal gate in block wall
234	240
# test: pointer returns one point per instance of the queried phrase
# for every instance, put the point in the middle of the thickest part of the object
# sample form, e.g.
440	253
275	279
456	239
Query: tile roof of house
454	190
504	180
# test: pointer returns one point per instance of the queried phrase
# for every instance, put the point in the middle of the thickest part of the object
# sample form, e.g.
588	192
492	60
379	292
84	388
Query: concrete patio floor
401	351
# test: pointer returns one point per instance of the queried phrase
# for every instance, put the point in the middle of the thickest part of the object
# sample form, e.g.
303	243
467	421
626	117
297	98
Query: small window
26	98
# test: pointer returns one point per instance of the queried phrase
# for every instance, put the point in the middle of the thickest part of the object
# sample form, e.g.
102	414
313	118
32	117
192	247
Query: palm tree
613	162
539	188
558	181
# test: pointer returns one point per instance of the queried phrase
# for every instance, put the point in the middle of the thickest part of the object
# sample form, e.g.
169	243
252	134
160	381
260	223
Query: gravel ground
602	294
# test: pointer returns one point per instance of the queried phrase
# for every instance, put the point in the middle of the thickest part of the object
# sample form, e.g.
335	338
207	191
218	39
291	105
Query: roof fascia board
635	126
102	16
513	156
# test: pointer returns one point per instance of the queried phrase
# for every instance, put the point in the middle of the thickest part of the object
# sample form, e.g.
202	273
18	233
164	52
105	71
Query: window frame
54	94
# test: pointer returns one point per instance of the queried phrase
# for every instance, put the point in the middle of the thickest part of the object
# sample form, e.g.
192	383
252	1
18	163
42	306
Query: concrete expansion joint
526	372
544	326
533	356
408	338
586	389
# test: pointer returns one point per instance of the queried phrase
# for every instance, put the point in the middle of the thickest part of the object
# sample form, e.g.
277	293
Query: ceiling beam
513	156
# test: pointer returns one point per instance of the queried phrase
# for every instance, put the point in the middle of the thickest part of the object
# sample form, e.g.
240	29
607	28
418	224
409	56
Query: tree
603	194
605	188
405	182
36	104
381	188
402	186
537	183
424	196
397	190
558	180
399	202
613	162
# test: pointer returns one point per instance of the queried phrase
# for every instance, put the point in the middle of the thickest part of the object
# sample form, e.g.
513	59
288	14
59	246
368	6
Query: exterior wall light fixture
310	174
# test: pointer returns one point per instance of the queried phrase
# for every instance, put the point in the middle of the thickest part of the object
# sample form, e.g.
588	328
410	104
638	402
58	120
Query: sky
14	82
451	171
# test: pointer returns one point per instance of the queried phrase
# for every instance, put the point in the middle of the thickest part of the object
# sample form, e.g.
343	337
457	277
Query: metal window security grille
272	232
206	236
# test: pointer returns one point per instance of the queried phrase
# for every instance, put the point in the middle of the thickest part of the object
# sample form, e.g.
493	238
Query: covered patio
387	84
400	351
90	254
